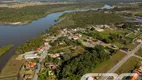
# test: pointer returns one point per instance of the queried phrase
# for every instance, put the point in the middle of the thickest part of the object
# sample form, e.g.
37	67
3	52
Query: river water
18	34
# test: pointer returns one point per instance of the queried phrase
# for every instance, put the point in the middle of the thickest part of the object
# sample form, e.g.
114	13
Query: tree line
84	19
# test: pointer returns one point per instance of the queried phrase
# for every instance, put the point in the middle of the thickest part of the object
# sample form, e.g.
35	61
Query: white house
31	56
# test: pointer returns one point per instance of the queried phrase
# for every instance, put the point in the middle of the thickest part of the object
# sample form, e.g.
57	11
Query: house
75	38
31	56
26	66
78	35
135	76
61	53
38	49
91	78
125	49
54	55
60	31
53	67
50	73
140	68
139	40
46	44
32	64
107	26
100	26
27	76
99	29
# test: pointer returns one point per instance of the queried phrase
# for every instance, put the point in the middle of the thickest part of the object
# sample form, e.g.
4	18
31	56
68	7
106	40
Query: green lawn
107	65
118	44
128	66
131	46
5	49
133	35
139	52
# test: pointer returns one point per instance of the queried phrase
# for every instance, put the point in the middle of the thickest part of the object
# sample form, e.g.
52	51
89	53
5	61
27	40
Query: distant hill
80	0
7	0
71	0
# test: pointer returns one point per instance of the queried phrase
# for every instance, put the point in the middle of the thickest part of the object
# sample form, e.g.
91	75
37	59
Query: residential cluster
34	58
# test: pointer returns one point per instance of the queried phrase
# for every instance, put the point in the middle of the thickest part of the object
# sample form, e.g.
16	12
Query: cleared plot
133	35
10	78
118	44
129	66
12	68
107	65
131	46
139	52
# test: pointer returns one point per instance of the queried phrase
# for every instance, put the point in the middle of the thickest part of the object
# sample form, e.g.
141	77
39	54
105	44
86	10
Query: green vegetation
139	52
84	19
129	66
108	64
74	68
30	13
138	13
30	45
62	17
116	37
131	46
75	63
5	49
12	68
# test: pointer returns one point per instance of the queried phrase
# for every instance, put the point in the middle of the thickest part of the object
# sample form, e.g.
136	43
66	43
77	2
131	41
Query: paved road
2	78
117	66
44	54
138	56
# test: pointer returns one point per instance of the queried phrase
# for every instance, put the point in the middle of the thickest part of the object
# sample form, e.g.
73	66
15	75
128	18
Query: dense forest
84	19
30	13
74	68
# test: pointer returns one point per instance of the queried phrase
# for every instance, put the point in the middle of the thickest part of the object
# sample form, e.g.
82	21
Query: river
19	34
138	20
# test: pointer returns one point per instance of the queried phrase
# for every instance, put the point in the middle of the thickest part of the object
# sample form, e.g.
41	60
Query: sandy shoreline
20	5
13	23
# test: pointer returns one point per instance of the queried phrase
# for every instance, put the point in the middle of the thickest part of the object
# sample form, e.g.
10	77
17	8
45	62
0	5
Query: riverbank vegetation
30	45
84	19
30	13
5	49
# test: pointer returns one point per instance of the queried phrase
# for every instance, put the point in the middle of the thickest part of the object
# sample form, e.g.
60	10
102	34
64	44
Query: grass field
11	68
5	49
118	44
107	65
139	53
12	78
129	65
131	46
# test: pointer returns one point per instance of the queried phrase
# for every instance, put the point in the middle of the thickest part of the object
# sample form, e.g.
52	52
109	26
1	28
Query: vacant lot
12	68
131	46
139	53
107	65
10	78
129	66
